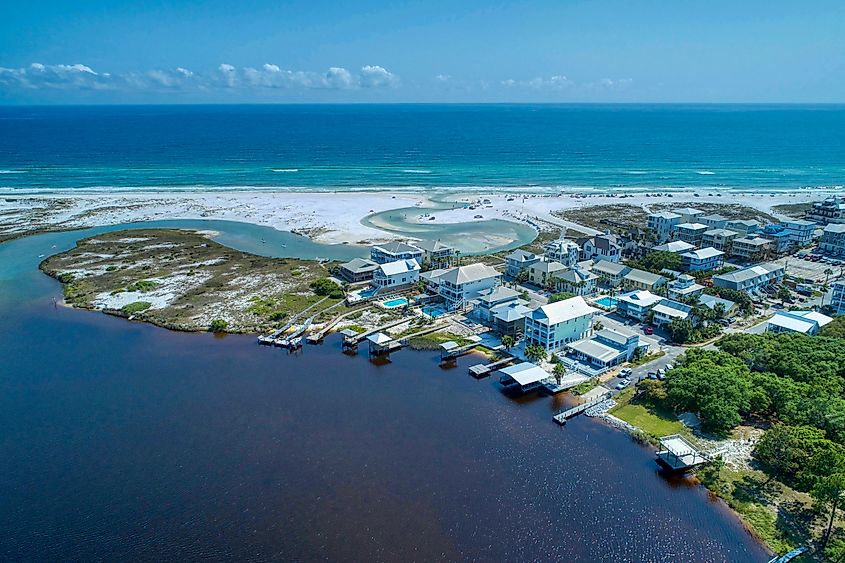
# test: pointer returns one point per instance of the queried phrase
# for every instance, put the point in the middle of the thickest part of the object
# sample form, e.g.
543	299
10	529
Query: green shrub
218	325
136	307
326	287
142	286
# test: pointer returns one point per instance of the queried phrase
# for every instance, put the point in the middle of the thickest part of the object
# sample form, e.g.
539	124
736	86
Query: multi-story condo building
691	233
833	240
702	260
661	224
831	210
396	275
720	239
564	251
520	260
555	325
752	278
714	221
602	247
393	251
743	226
437	254
779	237
749	248
837	302
460	284
801	232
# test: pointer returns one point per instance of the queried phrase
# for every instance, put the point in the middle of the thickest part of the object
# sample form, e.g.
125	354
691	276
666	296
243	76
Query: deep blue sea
345	147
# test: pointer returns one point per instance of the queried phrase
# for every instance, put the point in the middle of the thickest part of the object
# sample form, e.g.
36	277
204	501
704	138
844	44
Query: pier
450	351
351	339
483	370
678	454
562	417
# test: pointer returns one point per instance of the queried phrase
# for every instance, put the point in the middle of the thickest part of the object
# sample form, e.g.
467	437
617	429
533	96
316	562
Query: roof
721	233
594	349
745	222
576	275
752	241
548	266
800	222
565	310
642	297
396	247
521	255
792	323
643	277
710	301
814	316
357	265
665	215
704	253
509	312
526	373
613	336
835	228
611	268
433	245
469	273
497	294
433	275
750	273
713	217
670	311
688	211
692	226
674	246
399	267
379	338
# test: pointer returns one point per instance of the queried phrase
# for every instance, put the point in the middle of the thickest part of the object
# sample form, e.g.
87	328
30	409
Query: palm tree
559	371
508	341
827	273
535	353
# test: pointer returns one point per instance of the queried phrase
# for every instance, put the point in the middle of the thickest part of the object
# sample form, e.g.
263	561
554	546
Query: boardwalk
562	417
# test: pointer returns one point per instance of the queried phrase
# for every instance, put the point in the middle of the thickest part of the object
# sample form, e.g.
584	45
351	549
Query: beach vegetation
325	287
218	325
136	307
142	286
560	296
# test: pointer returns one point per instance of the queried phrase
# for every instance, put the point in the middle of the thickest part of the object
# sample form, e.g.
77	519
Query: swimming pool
433	311
398	302
607	302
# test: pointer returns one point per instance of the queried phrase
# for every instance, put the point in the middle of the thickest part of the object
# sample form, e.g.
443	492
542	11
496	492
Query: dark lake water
122	441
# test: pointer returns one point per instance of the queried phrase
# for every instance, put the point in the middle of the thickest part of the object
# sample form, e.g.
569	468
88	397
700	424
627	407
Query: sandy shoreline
335	218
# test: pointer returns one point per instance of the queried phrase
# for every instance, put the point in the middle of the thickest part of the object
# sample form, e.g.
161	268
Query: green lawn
650	422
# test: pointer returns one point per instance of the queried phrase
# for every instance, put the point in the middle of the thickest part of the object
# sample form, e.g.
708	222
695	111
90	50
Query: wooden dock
450	351
562	417
677	454
483	370
351	341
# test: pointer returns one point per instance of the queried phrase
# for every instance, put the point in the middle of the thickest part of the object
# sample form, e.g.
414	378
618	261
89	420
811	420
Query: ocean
423	147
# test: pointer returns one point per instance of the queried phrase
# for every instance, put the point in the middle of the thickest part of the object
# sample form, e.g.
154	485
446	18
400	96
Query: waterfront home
357	270
690	232
564	251
577	281
831	210
804	322
667	310
714	221
554	325
711	302
489	299
637	304
661	224
750	248
609	273
837	301
684	287
720	239
779	238
602	247
606	348
640	279
744	227
460	284
833	240
395	251
509	318
801	232
543	273
702	260
688	214
751	278
399	274
676	246
431	278
437	254
519	260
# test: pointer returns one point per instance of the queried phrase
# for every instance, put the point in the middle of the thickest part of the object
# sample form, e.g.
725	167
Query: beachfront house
606	348
684	287
640	279
829	211
752	278
667	310
399	274
689	214
804	322
702	260
778	237
543	273
610	274
554	325
744	227
357	270
676	246
460	284
691	233
395	251
751	248
833	240
662	223
837	300
437	254
637	304
602	247
801	233
577	280
518	261
720	239
713	221
564	251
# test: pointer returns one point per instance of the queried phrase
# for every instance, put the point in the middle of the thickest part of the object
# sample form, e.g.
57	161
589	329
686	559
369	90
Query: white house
833	239
564	251
555	325
661	224
460	284
396	274
577	281
805	322
520	260
690	232
602	247
702	260
684	287
437	254
637	304
395	251
667	311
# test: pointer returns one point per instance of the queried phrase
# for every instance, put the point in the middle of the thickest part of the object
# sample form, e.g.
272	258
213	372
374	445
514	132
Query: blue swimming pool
433	311
398	302
607	302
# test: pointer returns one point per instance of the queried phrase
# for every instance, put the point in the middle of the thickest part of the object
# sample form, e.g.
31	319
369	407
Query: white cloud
377	77
443	78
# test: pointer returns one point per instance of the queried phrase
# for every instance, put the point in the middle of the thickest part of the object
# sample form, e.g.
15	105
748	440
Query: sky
256	51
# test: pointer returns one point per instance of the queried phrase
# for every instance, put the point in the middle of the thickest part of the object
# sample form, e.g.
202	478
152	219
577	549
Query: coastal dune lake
122	441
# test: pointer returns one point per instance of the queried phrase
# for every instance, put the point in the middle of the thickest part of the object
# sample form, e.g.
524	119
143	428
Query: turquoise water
363	147
433	311
398	302
607	302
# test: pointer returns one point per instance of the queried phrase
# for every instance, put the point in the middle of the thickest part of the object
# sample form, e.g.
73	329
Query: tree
218	325
559	371
535	353
508	341
598	326
522	276
784	294
783	450
560	296
827	273
680	330
828	494
657	261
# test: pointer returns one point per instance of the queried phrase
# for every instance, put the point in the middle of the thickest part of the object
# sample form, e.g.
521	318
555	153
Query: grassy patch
646	359
582	388
142	286
433	340
650	421
136	307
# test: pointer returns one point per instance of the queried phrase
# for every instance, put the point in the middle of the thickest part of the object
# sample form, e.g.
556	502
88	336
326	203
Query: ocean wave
12	171
636	172
416	171
704	172
285	169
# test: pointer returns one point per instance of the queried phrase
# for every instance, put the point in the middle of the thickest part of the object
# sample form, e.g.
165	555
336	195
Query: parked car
623	384
652	375
669	366
649	330
625	372
661	376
